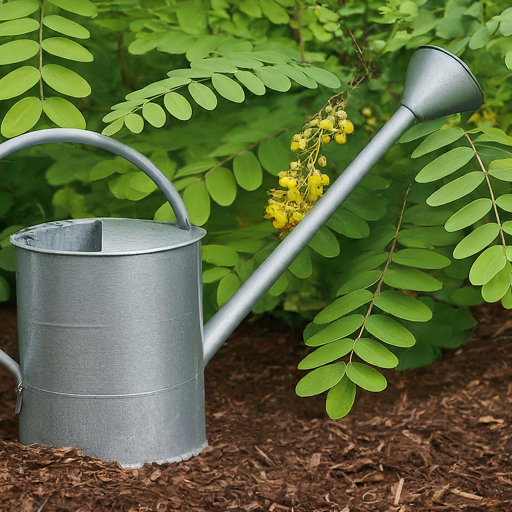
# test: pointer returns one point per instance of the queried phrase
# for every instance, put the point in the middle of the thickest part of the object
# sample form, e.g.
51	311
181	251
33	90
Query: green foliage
212	92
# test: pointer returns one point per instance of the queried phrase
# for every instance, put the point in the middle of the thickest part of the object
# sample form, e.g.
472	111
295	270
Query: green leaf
273	78
348	224
178	106
18	51
302	266
228	88
340	399
389	331
371	261
21	117
467	296
66	27
427	237
366	377
65	81
192	17
165	213
154	114
18	9
202	47
423	215
8	259
273	156
219	255
228	285
337	330
81	7
251	81
375	353
221	185
113	128
18	27
66	49
421	259
501	169
498	286
250	8
480	38
326	354
470	214
360	281
297	75
477	240
248	171
403	306
18	81
494	135
214	274
506	301
322	76
487	265
456	189
445	165
343	305
4	290
505	202
143	183
422	129
279	286
321	379
215	65
274	12
364	204
203	95
507	227
197	201
63	113
196	167
325	243
437	140
406	278
134	123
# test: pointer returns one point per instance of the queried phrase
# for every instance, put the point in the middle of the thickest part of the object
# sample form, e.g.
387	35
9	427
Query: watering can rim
196	233
457	59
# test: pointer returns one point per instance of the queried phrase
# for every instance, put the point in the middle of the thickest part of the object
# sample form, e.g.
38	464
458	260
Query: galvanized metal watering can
112	346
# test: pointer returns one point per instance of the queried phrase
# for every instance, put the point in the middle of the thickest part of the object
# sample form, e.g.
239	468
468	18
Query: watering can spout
437	84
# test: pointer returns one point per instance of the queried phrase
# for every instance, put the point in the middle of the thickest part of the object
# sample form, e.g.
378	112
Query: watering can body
112	347
110	337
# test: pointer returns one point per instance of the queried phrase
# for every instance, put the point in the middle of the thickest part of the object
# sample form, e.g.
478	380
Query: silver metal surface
438	83
110	338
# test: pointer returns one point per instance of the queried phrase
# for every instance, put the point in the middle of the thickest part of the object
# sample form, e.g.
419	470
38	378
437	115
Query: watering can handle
28	140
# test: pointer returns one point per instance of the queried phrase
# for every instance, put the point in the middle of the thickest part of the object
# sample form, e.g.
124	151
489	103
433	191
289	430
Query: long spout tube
217	330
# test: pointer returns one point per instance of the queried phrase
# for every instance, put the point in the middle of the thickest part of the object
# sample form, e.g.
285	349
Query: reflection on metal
112	348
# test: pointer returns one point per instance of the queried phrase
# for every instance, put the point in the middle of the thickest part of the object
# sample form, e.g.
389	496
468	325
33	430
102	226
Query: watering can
112	345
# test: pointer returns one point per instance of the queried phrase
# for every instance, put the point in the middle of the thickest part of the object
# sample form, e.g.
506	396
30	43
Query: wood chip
489	419
315	460
398	492
467	495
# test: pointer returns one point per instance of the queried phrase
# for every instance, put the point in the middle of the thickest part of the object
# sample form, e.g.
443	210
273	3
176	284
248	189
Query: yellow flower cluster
303	183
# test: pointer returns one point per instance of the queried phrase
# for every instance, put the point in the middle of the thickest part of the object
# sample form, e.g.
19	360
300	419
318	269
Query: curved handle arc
28	140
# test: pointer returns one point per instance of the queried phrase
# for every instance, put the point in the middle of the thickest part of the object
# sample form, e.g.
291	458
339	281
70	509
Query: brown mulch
439	438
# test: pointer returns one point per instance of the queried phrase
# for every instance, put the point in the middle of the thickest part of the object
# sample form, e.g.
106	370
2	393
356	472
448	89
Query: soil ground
439	438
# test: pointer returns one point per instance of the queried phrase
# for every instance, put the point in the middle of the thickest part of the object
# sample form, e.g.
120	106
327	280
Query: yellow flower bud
312	197
297	217
322	161
325	179
314	180
326	124
314	122
346	126
282	174
367	112
292	183
307	133
293	165
341	114
340	138
303	143
326	139
328	109
283	182
294	146
296	137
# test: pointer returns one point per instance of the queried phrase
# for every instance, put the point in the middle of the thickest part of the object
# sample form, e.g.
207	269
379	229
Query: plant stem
41	94
381	280
491	192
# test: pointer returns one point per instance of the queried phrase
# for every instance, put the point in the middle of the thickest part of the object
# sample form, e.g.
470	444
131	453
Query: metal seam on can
127	395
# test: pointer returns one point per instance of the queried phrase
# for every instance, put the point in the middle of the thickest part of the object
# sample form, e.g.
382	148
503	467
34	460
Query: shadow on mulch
439	438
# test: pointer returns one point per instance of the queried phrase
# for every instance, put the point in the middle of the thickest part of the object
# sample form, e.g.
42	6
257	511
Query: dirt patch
439	438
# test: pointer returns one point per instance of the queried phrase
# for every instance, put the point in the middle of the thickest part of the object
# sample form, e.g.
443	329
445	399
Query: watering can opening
105	236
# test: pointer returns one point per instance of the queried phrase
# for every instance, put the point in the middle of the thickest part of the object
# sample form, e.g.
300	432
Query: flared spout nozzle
438	83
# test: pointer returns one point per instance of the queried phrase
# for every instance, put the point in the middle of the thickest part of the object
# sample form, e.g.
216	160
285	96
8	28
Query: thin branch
491	192
41	94
381	280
